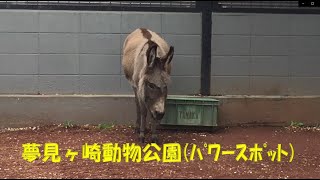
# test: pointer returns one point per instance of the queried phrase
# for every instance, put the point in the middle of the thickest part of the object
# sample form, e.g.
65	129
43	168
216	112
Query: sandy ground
304	153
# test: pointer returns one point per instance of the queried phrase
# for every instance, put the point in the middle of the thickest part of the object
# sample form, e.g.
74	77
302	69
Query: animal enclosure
61	77
222	48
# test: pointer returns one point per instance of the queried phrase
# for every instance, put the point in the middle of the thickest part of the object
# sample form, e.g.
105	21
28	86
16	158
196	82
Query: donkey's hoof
155	140
137	130
141	139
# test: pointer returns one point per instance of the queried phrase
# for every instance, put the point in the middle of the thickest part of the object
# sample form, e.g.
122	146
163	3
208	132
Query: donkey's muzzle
159	115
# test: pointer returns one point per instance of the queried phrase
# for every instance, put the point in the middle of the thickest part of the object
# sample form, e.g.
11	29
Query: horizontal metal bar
169	7
99	8
268	10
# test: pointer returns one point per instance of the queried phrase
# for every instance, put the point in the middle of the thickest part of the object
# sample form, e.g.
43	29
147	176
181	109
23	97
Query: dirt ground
305	163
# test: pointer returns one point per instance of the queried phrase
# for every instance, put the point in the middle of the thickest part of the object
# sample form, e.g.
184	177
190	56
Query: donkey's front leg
154	136
143	112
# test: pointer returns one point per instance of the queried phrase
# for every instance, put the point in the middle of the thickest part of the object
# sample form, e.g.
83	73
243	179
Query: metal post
206	10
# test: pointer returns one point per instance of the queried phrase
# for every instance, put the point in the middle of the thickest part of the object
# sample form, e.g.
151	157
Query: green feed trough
191	111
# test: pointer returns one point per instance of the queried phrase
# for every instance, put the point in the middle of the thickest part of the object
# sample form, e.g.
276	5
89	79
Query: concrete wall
34	110
265	54
79	52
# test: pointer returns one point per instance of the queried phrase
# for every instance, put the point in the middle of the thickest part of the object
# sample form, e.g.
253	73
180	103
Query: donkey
146	63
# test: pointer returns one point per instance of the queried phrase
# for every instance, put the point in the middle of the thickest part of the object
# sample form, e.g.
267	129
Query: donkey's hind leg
138	120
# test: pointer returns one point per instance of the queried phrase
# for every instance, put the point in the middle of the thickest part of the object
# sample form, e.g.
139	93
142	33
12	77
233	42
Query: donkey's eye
152	86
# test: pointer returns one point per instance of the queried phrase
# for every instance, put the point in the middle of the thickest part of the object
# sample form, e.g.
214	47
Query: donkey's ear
169	56
151	55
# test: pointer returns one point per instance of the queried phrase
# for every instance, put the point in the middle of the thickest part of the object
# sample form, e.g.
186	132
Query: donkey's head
157	77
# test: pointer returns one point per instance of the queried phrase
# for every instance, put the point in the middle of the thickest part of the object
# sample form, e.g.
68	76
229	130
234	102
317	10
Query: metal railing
264	7
259	4
187	6
151	6
173	4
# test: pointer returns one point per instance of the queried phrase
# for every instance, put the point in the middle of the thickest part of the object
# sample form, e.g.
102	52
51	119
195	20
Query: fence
205	8
102	5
